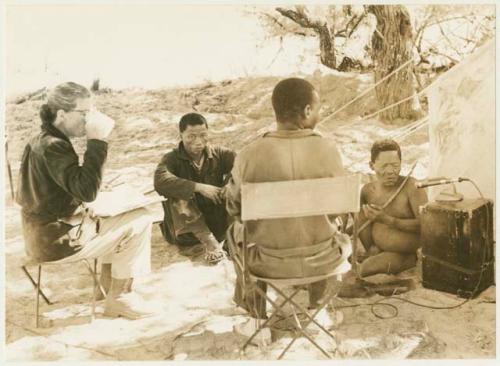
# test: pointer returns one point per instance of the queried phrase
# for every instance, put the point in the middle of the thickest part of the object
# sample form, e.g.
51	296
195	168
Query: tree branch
445	55
448	40
274	20
281	25
440	21
299	17
356	25
326	41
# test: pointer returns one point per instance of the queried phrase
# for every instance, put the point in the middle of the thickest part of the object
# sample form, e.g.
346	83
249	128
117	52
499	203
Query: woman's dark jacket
51	186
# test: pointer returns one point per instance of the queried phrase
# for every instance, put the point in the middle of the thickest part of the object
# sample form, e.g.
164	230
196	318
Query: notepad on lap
121	199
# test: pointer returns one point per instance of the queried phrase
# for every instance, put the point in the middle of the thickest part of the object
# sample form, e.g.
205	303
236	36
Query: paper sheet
120	200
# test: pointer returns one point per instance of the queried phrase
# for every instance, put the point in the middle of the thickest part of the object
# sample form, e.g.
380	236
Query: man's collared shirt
176	176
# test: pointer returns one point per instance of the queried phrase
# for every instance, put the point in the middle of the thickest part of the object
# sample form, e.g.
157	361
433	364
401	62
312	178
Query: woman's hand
375	213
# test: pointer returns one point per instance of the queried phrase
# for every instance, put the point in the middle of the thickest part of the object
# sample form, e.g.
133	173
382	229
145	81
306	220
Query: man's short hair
384	145
191	119
290	97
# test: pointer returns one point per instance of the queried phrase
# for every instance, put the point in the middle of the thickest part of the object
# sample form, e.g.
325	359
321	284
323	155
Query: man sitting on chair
392	238
287	247
52	187
191	176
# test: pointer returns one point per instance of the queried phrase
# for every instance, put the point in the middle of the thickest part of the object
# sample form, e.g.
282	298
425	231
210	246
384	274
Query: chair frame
278	284
97	286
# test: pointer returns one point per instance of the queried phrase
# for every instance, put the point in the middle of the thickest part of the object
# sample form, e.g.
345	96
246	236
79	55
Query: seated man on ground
288	247
192	177
392	237
52	187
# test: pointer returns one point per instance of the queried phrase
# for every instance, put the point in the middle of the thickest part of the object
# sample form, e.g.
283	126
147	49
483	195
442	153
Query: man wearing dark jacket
192	176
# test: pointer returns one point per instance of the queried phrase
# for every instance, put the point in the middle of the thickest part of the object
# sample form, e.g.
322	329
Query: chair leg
96	285
94	295
304	311
354	255
277	309
45	298
37	310
325	302
93	273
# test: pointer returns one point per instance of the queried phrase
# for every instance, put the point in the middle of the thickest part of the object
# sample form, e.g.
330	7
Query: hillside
237	111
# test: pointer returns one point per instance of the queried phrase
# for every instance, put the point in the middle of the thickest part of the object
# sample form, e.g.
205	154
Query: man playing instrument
392	237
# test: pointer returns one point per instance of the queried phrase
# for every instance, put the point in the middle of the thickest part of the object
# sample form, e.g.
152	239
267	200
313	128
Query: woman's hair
63	96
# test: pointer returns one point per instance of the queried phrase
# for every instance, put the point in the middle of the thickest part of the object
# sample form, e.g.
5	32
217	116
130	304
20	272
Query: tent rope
401	67
366	91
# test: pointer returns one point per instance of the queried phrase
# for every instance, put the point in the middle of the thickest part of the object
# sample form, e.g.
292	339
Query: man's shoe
126	306
249	327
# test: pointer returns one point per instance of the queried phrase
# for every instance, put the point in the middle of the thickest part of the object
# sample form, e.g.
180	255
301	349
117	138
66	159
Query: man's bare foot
355	290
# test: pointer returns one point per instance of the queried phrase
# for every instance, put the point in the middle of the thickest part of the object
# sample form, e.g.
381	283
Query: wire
475	185
484	266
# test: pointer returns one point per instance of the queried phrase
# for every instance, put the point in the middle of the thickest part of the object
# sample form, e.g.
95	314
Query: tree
321	28
332	25
399	34
462	28
95	85
392	45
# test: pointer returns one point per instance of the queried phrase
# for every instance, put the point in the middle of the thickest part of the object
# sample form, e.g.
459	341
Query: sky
143	45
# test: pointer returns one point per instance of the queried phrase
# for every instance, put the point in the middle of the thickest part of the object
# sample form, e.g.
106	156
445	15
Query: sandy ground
195	311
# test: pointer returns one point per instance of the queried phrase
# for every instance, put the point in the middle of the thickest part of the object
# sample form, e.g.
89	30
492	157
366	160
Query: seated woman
52	187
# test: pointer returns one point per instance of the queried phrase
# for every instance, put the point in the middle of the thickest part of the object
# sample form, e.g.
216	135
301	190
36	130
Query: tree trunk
326	38
95	85
326	46
392	47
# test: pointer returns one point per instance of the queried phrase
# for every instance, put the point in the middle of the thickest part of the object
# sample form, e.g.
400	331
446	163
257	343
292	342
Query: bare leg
317	291
366	235
387	262
213	249
247	297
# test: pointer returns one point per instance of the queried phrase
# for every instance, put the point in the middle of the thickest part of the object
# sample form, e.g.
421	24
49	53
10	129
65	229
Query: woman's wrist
389	220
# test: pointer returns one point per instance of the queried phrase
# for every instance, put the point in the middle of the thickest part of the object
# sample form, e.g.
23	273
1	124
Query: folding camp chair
38	291
288	199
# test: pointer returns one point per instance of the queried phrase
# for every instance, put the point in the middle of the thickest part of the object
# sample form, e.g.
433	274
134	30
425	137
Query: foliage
442	34
445	34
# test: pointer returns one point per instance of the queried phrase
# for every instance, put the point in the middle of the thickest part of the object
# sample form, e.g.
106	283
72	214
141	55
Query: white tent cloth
462	124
